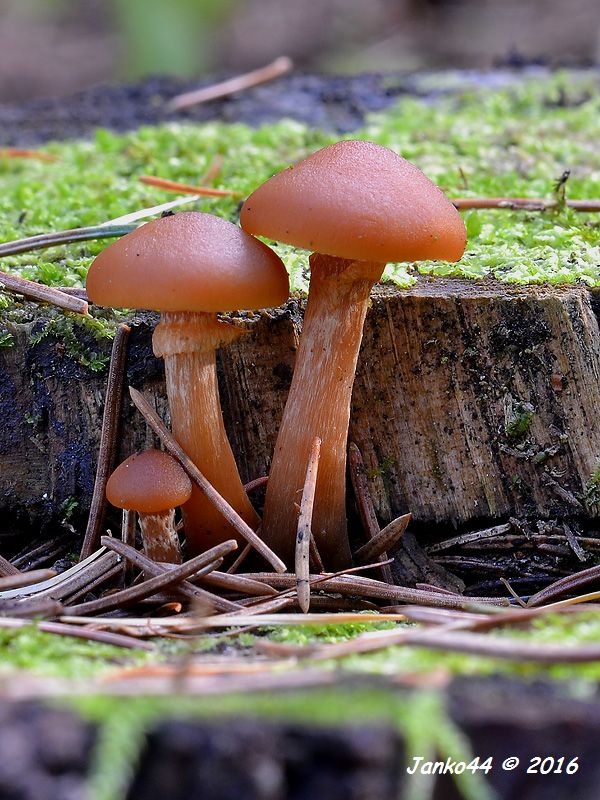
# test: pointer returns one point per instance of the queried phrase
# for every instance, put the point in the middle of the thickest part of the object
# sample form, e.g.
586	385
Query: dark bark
473	402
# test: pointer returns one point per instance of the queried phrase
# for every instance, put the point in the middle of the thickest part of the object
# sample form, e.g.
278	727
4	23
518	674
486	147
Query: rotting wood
464	362
442	368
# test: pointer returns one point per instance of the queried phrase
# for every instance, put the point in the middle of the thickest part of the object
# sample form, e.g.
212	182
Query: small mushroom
358	205
189	266
153	484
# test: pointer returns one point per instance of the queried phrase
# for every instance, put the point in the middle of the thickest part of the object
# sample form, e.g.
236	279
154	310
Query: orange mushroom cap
357	200
149	482
188	262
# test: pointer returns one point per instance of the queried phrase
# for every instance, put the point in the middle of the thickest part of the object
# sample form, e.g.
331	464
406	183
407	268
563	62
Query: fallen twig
275	620
186	188
30	607
108	440
523	203
240	559
304	527
92	586
128	528
105	637
211	493
18	579
257	483
42	294
71	580
184	587
574	543
315	560
467	538
275	69
364	502
21	152
564	585
237	583
383	541
367	587
43	240
7	569
429	587
42	554
167	579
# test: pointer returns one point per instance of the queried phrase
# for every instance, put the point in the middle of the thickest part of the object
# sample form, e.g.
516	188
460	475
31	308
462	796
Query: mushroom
189	266
356	205
153	484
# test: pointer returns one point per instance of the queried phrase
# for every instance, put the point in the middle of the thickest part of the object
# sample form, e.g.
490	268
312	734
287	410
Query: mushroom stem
187	341
319	405
160	539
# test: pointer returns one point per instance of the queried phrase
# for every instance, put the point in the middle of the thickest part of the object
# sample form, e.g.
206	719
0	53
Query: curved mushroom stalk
159	536
187	341
319	405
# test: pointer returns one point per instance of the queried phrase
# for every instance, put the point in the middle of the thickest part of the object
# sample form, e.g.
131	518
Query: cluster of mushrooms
356	206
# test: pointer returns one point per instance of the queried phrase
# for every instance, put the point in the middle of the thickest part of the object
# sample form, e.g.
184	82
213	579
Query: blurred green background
52	47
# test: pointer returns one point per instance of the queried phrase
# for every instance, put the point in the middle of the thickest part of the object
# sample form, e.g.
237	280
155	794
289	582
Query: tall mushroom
189	266
153	484
356	205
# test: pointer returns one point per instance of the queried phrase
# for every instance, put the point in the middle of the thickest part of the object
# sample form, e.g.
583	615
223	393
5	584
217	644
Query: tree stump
476	401
473	402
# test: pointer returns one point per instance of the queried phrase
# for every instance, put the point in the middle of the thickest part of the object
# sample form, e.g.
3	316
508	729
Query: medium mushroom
153	484
189	266
356	205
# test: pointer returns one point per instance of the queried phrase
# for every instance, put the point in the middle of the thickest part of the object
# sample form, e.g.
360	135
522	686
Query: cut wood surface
473	401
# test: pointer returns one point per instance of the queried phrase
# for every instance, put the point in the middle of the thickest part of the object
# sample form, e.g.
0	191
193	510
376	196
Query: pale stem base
160	539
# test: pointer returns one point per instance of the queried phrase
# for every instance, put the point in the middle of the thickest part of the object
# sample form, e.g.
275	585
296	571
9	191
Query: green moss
68	328
324	634
420	716
45	654
59	656
511	142
382	468
519	421
6	338
592	490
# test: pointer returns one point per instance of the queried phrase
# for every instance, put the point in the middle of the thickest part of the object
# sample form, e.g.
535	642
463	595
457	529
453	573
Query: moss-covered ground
45	654
517	141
